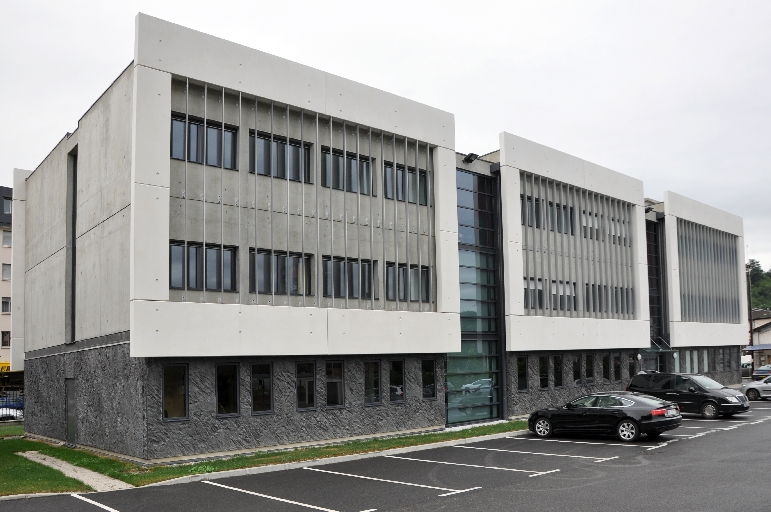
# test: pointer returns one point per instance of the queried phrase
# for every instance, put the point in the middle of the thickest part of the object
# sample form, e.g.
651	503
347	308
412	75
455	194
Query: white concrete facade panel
696	334
446	222
18	266
536	333
683	207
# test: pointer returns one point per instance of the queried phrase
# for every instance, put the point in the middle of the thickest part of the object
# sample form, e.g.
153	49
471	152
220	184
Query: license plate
671	412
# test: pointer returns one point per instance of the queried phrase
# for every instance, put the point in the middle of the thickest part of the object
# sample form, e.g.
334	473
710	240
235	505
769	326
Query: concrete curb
331	460
35	495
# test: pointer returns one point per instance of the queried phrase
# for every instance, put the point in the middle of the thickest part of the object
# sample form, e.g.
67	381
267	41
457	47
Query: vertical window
195	267
617	368
332	172
7	205
262	388
6	305
372	382
606	369
6	339
335	387
229	260
279	158
351	174
543	372
365	176
175	392
576	370
299	274
306	385
396	382
412	185
263	156
213	268
589	379
400	183
227	390
390	283
307	164
293	162
402	283
422	189
327	276
414	283
428	372
424	284
366	280
630	369
338	268
6	271
353	279
213	146
252	272
557	371
388	181
7	238
195	142
279	274
522	373
230	150
264	272
178	138
177	265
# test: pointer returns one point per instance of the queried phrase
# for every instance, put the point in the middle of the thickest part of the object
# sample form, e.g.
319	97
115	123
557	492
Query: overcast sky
677	94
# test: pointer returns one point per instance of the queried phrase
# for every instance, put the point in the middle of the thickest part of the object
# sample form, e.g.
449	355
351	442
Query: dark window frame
233	271
183	245
561	367
217	390
525	389
403	384
305	173
379	400
297	385
577	377
5	339
178	118
543	361
200	270
251	381
423	382
187	391
341	380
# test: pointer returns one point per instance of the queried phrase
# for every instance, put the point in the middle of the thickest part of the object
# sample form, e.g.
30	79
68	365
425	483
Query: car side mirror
568	406
692	389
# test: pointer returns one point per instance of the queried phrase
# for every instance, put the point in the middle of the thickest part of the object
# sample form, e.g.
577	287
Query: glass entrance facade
474	387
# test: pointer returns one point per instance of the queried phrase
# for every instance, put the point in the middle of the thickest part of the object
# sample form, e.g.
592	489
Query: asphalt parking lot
703	465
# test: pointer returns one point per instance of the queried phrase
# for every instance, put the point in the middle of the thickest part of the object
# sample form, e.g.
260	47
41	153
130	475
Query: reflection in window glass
227	389
422	189
338	269
543	372
213	268
351	174
606	368
396	382
365	177
263	156
424	284
230	149
557	371
279	283
402	283
174	392
372	382
335	387
7	238
306	385
414	283
412	186
388	182
522	373
229	269
589	379
400	182
617	368
177	266
353	279
195	142
428	367
213	146
262	388
264	272
178	138
195	267
390	281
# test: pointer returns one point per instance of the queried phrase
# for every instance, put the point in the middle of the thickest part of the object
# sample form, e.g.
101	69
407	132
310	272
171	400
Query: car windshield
706	382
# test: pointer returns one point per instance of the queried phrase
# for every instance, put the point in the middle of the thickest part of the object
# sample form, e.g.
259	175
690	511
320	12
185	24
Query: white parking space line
579	442
693	427
274	498
104	507
594	459
713	421
533	473
449	493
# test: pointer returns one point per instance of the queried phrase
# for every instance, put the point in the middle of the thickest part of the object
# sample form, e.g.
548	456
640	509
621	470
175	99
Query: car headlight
732	399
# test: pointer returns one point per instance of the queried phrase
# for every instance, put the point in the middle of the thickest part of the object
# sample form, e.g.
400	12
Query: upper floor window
416	186
7	205
7	238
279	157
6	308
218	141
6	271
353	276
351	173
214	265
6	339
280	273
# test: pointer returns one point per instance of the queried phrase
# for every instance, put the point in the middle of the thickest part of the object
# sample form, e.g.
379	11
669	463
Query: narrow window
422	189
328	277
428	367
400	183
177	265
6	271
577	370
294	273
414	283
7	239
293	162
630	368
195	142
396	382
589	378
543	372
353	279
522	373
227	390
338	266
7	205
326	168
213	268
335	388
178	138
338	173
230	151
263	156
388	182
372	382
6	305
252	272
229	259
175	392
351	174
365	176
6	339
279	159
390	284
306	385
307	164
403	283
264	272
213	146
606	369
252	155
279	274
617	368
366	280
412	185
557	371
424	284
262	388
195	267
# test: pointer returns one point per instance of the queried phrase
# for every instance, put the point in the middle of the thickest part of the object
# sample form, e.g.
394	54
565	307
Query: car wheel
542	427
752	394
627	431
709	411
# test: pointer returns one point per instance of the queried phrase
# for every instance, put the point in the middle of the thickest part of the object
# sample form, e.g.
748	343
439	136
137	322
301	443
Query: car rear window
648	400
640	382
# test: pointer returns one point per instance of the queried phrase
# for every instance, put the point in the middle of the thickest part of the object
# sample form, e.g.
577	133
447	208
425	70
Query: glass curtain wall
473	374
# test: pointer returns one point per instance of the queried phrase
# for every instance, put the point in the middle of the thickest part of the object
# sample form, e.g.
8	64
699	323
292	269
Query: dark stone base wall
525	402
726	371
204	432
110	398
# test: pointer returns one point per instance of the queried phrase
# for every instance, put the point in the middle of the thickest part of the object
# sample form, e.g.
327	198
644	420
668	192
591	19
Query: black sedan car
622	413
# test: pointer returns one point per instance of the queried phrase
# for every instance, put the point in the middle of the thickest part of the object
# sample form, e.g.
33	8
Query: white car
757	389
8	414
477	385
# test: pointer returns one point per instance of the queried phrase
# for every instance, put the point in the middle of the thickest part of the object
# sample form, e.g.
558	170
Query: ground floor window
522	373
335	387
577	381
372	382
617	368
589	378
557	371
428	367
262	388
306	385
606	369
175	392
396	382
227	389
543	372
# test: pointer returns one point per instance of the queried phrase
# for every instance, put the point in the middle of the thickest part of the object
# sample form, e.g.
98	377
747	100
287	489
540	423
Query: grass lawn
21	476
139	475
11	430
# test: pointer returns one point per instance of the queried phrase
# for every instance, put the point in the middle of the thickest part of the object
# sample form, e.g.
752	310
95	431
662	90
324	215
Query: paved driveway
704	465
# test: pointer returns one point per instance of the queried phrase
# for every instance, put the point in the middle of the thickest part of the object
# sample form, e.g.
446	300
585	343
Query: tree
756	272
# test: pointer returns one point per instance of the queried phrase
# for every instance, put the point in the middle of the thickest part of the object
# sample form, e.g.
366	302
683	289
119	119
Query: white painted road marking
451	491
274	498
595	459
105	507
579	442
534	473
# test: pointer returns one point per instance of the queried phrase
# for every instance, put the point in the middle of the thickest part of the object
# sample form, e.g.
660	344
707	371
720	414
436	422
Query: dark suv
693	393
